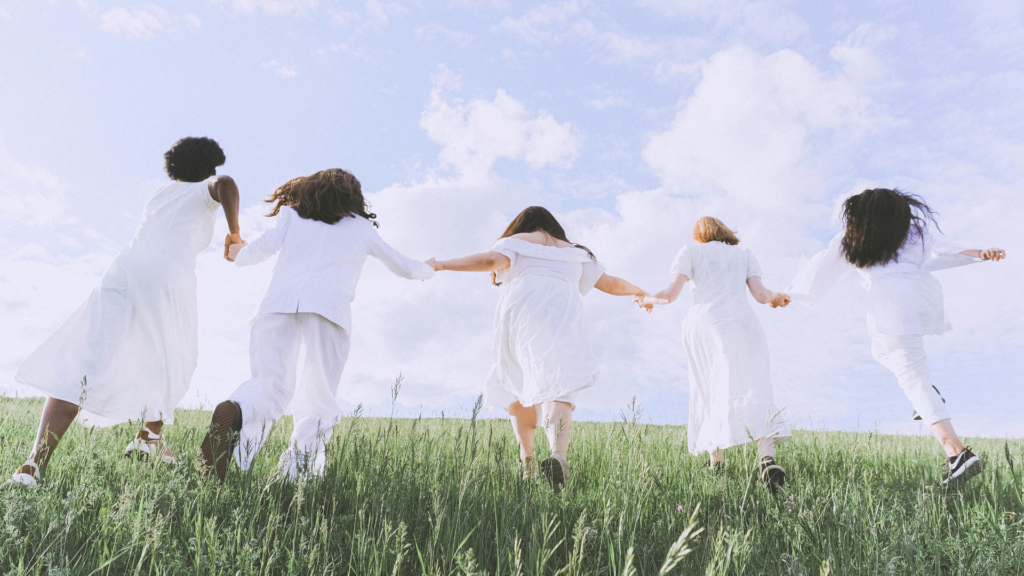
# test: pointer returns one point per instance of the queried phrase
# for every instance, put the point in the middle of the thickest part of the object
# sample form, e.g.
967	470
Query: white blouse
903	296
320	264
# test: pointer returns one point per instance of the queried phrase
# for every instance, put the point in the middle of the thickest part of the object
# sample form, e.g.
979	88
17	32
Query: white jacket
903	297
320	264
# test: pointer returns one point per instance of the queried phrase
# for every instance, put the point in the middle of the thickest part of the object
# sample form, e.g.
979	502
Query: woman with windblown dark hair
542	355
886	239
323	235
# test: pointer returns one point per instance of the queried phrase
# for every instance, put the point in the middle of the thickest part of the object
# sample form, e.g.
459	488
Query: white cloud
272	7
606	102
281	70
29	195
536	25
432	32
140	24
474	134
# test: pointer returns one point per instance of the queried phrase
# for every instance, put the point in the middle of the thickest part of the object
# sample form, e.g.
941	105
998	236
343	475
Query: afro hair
193	159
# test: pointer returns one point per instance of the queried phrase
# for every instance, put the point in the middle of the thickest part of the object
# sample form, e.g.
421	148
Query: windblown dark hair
327	196
193	159
879	222
536	219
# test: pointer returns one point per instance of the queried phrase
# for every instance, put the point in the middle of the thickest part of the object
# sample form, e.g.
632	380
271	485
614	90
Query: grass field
439	496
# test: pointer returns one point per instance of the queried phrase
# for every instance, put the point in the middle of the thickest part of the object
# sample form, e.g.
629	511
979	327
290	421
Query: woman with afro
128	353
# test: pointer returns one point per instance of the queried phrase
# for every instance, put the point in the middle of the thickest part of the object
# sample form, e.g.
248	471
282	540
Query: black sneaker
961	468
772	474
917	416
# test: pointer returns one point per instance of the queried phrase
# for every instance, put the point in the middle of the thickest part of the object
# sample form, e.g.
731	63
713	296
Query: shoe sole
552	470
774	476
972	468
219	444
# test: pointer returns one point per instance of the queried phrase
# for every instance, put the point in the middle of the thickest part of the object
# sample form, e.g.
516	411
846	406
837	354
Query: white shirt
903	297
320	264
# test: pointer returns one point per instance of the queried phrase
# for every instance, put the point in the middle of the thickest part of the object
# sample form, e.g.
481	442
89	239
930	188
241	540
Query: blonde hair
711	229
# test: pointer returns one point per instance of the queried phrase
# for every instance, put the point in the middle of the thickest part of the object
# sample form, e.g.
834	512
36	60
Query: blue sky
629	119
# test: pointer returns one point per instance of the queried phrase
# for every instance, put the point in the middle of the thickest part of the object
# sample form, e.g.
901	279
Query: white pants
274	346
905	357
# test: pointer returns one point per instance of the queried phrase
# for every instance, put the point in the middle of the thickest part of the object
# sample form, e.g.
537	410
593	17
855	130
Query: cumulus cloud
281	70
273	7
140	24
474	134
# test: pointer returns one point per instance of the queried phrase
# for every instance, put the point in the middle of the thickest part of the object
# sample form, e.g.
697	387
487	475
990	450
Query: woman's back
718	271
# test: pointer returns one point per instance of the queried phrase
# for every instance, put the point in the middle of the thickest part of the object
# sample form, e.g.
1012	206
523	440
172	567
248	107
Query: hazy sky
628	119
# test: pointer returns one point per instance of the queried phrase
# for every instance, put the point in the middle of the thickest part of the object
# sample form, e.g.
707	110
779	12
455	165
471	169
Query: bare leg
558	425
944	433
765	448
717	456
524	424
57	417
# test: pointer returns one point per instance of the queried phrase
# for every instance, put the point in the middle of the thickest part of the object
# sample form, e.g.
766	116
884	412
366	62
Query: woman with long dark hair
887	240
542	355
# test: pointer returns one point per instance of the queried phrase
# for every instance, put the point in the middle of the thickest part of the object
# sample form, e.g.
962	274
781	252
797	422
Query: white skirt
542	351
129	352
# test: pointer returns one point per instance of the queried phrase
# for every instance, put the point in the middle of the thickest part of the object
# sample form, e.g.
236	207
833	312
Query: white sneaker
27	476
146	444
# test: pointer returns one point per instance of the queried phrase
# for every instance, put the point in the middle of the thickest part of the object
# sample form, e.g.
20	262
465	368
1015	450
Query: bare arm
225	191
482	262
617	286
994	254
766	296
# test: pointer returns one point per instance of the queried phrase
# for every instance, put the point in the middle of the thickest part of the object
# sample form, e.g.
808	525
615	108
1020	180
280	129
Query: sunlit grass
436	496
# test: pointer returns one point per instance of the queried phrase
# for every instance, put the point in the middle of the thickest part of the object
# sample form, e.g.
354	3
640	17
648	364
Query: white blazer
320	264
903	296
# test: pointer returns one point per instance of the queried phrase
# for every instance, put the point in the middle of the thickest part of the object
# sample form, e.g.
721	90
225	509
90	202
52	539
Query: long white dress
541	346
731	398
135	339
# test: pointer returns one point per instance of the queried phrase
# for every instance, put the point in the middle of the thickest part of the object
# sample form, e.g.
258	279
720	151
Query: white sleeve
683	264
753	266
820	273
399	264
269	243
944	254
592	272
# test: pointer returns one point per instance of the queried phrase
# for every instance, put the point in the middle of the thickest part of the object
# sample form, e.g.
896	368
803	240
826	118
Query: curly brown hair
327	196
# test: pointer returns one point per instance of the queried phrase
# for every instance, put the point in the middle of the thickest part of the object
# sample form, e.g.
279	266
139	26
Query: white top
903	297
731	397
136	338
718	271
320	264
541	346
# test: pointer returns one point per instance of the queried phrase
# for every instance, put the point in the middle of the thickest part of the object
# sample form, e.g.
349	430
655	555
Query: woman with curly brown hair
129	352
323	235
886	239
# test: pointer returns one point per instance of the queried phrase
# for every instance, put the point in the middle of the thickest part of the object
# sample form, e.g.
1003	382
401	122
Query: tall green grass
444	496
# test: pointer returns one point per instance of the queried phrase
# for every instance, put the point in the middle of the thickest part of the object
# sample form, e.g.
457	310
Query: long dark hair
536	219
327	196
878	223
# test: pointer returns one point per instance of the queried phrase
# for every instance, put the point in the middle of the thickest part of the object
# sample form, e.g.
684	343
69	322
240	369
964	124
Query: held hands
994	254
234	249
780	300
433	264
648	302
232	240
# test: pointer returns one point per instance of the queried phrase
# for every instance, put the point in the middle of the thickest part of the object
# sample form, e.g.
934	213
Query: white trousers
905	357
274	345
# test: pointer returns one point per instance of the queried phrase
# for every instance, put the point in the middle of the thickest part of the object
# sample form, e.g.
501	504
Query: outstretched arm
225	191
766	296
617	287
399	264
482	262
666	296
266	245
994	254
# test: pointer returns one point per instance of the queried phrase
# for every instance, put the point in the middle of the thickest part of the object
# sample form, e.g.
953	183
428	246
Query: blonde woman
730	380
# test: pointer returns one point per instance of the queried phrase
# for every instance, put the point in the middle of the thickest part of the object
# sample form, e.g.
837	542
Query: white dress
135	338
541	347
731	399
